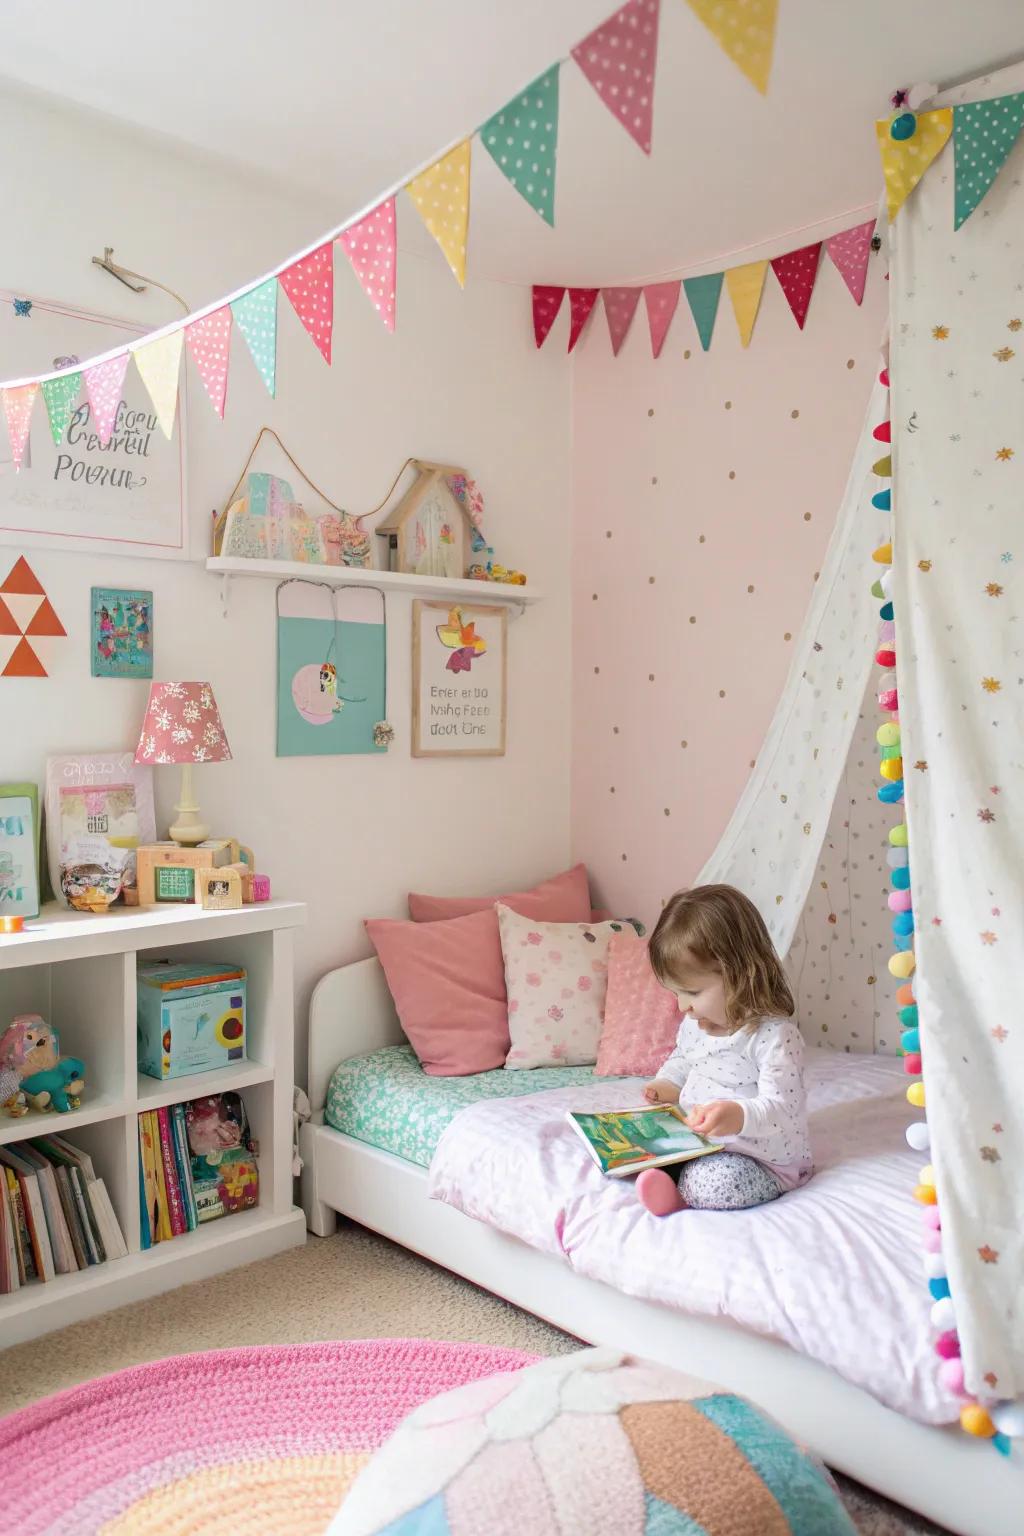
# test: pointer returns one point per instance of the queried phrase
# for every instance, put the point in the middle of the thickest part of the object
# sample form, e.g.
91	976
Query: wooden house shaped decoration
429	532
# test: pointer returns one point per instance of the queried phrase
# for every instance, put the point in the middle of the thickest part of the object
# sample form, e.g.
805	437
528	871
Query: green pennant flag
256	317
702	295
984	132
522	140
61	396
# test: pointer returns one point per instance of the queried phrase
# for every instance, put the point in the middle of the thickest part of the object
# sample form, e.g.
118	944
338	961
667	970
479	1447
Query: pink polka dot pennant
661	300
309	285
796	272
370	247
619	308
209	341
103	383
581	303
18	404
547	301
618	59
849	251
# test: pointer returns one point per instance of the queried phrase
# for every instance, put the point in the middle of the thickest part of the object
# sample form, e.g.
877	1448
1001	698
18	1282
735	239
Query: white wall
459	381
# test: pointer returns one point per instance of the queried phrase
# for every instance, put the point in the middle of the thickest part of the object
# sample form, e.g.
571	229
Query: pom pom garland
883	554
908	1015
900	879
943	1315
885	612
910	1040
905	994
975	1419
889	701
903	924
887	635
939	1289
876	590
926	1194
882	500
932	1240
918	1136
927	1175
912	1065
1008	1419
891	768
883	432
899	901
898	835
885	656
915	1095
932	1219
888	754
948	1345
891	794
935	1266
951	1374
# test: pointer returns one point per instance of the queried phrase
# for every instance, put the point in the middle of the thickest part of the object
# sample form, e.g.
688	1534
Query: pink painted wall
705	489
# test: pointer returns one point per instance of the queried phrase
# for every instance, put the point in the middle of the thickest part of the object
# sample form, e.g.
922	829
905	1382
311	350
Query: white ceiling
345	97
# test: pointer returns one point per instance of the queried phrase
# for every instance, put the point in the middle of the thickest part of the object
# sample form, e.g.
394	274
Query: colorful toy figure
31	1048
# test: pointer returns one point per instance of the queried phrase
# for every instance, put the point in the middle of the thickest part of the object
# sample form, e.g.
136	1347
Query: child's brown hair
721	929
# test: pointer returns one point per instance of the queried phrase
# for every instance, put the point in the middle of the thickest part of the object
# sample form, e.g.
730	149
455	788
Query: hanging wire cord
124	273
269	432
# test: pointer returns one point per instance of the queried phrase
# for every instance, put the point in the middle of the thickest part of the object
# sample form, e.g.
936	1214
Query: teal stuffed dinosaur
53	1085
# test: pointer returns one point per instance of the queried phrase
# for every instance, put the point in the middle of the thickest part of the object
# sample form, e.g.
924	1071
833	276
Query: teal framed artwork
19	850
122	632
331	669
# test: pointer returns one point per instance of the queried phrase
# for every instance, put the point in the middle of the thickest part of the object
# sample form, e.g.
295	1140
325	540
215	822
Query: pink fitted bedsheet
833	1269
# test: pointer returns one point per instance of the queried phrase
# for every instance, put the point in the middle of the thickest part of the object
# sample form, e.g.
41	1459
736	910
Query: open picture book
625	1141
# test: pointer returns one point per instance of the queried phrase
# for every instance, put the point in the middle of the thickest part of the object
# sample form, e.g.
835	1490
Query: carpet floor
354	1285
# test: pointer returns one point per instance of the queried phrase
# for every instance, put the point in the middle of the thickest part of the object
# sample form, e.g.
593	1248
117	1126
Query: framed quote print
459	680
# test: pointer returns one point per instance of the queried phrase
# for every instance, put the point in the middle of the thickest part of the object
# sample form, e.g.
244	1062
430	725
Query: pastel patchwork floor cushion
448	984
590	1443
555	975
564	898
641	1018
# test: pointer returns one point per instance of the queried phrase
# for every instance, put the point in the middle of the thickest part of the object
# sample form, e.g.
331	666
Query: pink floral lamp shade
182	725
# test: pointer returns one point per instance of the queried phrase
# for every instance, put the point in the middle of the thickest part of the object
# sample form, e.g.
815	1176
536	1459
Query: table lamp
183	725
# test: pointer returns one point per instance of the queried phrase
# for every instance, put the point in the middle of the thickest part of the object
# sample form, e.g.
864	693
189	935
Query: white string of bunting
618	59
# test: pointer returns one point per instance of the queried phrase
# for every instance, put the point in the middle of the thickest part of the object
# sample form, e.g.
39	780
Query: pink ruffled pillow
641	1019
564	898
448	983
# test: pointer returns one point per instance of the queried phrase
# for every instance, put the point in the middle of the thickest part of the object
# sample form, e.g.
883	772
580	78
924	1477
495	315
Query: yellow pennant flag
158	364
745	29
441	195
905	161
745	285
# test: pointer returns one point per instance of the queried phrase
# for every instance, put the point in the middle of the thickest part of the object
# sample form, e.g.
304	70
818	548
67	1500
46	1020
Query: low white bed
774	1304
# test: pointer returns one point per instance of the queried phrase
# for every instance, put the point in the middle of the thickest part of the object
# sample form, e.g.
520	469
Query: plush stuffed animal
31	1048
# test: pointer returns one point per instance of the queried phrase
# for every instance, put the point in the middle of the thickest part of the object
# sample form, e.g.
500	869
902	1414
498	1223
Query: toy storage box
191	1018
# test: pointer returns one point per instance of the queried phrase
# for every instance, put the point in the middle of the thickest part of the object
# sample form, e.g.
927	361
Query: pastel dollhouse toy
430	531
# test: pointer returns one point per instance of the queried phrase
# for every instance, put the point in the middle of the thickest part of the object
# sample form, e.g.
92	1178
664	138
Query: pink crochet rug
223	1442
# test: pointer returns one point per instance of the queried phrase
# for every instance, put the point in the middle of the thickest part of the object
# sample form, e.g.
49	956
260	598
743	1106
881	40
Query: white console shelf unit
438	589
78	971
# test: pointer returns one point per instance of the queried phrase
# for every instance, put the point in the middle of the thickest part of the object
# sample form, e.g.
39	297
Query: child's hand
723	1117
661	1091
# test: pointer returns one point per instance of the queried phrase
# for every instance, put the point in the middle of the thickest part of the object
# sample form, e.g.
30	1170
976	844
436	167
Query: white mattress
833	1269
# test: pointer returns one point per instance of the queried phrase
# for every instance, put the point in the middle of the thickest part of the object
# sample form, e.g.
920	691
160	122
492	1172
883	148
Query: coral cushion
563	898
555	974
448	983
641	1018
591	1442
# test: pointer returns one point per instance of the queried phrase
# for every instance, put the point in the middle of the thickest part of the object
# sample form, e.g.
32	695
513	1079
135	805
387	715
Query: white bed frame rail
960	1483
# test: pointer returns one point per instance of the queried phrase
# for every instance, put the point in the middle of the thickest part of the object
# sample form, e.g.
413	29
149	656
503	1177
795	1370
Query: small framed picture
122	633
459	680
19	850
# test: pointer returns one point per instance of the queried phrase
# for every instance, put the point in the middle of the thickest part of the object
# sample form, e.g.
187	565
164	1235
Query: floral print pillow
556	975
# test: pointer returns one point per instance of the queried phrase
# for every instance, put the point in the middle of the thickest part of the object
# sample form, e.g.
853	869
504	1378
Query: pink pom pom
948	1345
912	1063
931	1217
932	1241
886	632
889	700
951	1374
900	901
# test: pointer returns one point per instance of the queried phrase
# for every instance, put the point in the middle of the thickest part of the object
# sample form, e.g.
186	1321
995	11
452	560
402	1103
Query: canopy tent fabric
957	302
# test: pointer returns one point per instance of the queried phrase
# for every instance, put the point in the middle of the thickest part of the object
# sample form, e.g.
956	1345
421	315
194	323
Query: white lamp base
187	829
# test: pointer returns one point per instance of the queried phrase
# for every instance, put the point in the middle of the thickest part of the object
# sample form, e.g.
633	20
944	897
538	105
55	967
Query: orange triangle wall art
25	610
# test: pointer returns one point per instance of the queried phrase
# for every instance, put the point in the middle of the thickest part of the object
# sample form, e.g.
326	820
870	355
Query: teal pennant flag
61	396
984	132
522	140
256	317
702	295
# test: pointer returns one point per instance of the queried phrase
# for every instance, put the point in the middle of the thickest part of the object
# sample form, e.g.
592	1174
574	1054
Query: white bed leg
321	1219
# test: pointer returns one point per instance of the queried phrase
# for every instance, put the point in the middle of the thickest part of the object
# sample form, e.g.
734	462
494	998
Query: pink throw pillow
564	898
448	983
555	974
641	1018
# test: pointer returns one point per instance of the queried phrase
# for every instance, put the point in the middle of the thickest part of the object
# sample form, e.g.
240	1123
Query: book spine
60	1237
113	1237
147	1132
184	1163
71	1216
93	1240
145	1234
175	1208
9	1280
35	1216
26	1259
163	1216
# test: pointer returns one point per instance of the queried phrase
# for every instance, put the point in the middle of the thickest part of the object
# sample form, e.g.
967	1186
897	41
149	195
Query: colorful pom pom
935	1266
924	1193
900	879
1008	1418
876	590
903	925
883	554
883	378
939	1289
905	994
898	835
912	1066
951	1374
942	1314
948	1345
897	858
888	735
885	657
915	1095
890	701
908	1015
882	500
887	633
975	1419
903	127
927	1175
883	467
932	1240
887	754
899	901
885	612
891	794
918	1136
883	432
932	1219
891	768
910	1041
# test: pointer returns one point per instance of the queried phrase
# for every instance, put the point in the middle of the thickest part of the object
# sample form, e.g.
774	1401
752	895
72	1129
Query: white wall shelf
78	971
435	588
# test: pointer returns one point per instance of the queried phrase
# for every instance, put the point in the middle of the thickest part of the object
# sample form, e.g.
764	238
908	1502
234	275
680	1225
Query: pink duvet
833	1269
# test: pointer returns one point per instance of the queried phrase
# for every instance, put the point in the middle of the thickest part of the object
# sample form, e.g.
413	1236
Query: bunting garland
547	301
796	273
984	132
441	195
619	309
908	145
18	405
702	295
522	140
309	285
158	363
103	383
849	252
209	342
745	29
618	59
61	396
255	315
745	285
371	247
661	300
581	303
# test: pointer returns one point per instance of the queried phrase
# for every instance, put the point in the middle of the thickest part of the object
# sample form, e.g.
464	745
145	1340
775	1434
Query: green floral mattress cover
387	1100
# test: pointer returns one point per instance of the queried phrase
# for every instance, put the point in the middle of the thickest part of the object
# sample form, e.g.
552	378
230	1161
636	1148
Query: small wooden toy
167	871
429	532
261	887
219	890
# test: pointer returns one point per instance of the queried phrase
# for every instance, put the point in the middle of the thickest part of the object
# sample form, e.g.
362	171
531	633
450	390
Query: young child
738	1059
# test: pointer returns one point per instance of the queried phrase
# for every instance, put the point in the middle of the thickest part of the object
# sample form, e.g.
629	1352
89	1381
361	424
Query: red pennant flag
581	302
547	301
618	59
796	273
309	284
209	341
619	308
45	621
849	251
370	247
661	300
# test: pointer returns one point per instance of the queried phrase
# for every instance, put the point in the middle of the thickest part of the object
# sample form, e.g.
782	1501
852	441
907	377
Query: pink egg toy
951	1374
900	901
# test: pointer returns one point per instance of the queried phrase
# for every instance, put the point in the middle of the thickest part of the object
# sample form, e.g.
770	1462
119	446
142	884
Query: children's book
625	1141
175	1207
224	1170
